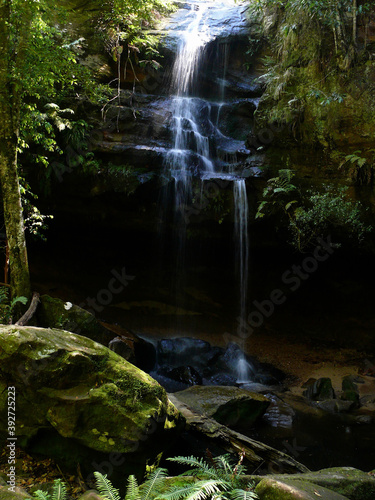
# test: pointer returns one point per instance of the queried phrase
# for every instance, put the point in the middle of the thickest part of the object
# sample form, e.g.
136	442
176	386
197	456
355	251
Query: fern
132	490
195	491
220	481
154	478
216	479
200	466
41	495
105	487
59	490
243	495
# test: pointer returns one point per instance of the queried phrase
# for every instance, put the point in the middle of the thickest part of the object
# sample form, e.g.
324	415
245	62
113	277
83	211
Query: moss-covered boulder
347	481
55	313
320	390
273	489
17	494
74	393
350	389
229	406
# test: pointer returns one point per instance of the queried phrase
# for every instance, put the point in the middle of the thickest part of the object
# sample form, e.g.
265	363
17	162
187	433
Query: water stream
195	126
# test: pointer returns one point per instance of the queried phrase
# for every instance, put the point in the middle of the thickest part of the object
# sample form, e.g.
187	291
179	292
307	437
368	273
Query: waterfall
244	369
241	241
190	145
194	151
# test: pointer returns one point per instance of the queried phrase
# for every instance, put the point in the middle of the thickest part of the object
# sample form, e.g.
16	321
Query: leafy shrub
312	214
7	306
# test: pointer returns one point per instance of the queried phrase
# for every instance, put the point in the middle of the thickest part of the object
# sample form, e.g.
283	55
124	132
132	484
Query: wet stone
320	390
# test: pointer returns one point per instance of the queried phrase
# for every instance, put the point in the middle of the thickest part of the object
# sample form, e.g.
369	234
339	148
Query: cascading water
195	128
242	240
187	136
244	368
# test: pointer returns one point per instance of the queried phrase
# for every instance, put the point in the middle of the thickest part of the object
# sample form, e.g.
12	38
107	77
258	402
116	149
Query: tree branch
30	312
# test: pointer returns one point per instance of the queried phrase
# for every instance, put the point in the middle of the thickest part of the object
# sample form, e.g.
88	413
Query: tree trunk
19	269
354	22
255	452
9	129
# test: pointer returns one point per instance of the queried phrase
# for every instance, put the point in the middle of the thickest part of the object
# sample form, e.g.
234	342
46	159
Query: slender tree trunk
335	39
339	31
354	22
10	189
19	269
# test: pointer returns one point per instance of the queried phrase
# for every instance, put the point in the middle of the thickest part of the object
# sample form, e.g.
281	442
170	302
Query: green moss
347	481
308	92
83	390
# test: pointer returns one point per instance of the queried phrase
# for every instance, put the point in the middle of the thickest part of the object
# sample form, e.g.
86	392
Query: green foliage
312	214
278	194
317	59
7	306
327	212
59	492
105	487
217	480
133	490
325	99
361	168
35	222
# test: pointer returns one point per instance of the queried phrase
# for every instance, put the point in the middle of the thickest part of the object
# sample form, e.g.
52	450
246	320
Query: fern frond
243	495
206	489
177	492
59	490
41	495
153	479
132	490
105	487
199	490
223	463
200	466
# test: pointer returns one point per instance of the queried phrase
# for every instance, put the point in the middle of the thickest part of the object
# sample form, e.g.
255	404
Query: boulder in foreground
77	400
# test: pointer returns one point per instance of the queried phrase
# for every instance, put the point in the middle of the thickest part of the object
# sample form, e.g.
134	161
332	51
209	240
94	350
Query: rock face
229	406
334	483
138	128
221	20
75	394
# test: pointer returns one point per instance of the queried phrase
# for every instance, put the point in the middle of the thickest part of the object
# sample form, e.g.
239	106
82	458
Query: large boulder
348	481
79	401
273	489
229	406
337	482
